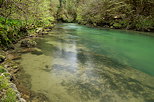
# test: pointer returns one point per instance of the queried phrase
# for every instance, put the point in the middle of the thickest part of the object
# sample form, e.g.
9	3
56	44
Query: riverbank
8	90
11	88
80	63
147	33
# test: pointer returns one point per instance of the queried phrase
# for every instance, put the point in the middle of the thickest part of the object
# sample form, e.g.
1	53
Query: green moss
10	96
3	83
7	93
2	70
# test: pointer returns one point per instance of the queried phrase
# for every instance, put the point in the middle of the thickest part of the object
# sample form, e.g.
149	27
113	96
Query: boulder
28	43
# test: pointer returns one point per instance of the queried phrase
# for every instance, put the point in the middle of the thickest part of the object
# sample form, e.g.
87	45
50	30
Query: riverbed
75	63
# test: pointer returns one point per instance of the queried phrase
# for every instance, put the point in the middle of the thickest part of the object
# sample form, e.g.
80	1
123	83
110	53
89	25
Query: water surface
75	63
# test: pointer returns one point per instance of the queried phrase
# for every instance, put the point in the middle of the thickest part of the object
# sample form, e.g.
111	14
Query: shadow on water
92	86
37	52
99	59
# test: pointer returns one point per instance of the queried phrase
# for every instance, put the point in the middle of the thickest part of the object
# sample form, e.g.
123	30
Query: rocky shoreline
11	73
8	70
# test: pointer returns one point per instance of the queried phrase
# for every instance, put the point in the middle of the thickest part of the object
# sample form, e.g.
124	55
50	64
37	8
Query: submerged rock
28	43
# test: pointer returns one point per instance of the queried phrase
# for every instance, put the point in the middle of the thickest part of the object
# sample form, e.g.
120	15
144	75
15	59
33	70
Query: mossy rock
7	91
28	43
9	96
2	58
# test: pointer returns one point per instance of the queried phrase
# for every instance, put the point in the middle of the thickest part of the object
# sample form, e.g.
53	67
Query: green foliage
10	96
7	93
46	21
117	25
144	23
67	11
9	31
129	14
17	16
3	83
100	11
2	70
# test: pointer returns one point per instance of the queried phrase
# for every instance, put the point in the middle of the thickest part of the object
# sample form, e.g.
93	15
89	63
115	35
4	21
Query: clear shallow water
75	63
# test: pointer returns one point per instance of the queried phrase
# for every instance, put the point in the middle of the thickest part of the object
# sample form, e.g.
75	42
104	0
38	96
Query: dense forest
29	18
17	16
124	14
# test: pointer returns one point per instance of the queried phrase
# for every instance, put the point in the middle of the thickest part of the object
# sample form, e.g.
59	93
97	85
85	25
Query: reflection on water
65	69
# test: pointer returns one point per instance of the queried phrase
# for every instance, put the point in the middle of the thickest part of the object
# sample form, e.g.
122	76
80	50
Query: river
75	63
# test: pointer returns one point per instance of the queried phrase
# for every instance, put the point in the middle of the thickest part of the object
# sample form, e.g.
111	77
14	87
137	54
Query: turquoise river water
76	63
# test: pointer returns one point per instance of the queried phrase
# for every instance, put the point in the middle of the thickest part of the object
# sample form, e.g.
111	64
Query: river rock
28	43
39	30
18	94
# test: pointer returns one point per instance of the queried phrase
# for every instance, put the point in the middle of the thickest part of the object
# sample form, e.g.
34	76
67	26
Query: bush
144	23
10	32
